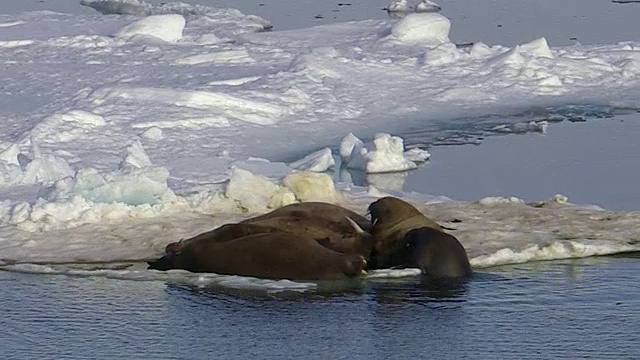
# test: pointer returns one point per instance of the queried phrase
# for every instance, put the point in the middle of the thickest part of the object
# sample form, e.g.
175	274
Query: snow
125	132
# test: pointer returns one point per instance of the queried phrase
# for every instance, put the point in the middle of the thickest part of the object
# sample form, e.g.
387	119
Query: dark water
571	309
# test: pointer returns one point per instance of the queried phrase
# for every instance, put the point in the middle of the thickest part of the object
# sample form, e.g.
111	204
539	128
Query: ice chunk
255	193
397	6
384	154
426	6
131	7
131	187
417	155
164	27
135	157
498	200
10	154
347	145
318	161
311	186
45	168
422	28
153	133
521	128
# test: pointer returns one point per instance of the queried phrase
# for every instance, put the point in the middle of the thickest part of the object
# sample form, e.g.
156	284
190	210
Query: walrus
332	226
272	255
438	254
392	218
338	233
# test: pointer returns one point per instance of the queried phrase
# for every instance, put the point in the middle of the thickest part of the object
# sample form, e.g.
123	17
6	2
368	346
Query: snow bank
384	154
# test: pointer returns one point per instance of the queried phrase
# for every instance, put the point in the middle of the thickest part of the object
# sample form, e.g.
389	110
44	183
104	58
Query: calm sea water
591	162
572	309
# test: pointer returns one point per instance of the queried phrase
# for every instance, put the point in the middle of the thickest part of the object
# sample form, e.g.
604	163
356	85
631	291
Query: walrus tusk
374	222
355	225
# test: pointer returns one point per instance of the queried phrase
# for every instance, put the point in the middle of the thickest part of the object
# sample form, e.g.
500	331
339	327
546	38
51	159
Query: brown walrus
439	255
332	226
392	218
337	228
273	255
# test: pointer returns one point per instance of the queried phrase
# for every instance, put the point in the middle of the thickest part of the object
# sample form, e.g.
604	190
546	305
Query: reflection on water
563	309
385	181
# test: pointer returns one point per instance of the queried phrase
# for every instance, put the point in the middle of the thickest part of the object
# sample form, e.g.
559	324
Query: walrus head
390	211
